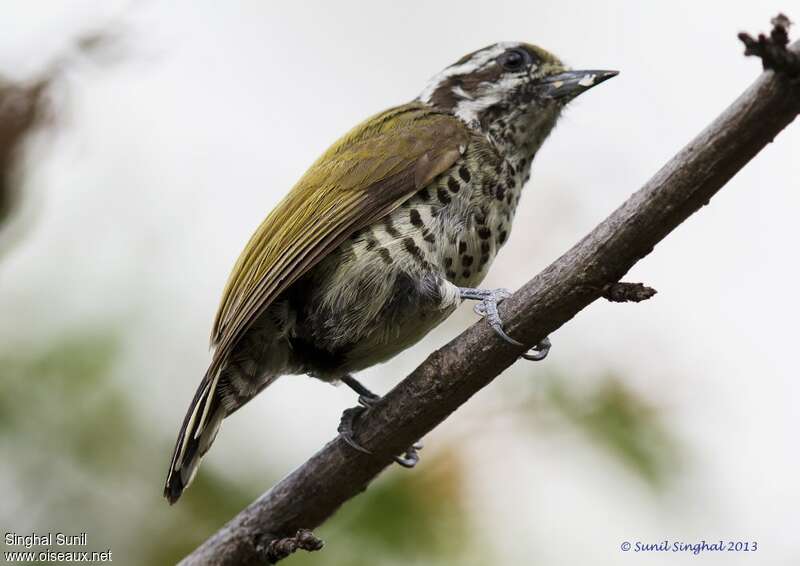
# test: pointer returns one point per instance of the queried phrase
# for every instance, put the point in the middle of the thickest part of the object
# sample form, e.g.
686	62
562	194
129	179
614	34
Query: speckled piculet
383	237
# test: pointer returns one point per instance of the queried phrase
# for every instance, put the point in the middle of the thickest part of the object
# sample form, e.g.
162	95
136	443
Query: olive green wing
361	178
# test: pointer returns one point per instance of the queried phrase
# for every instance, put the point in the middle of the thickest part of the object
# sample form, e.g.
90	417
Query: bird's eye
513	60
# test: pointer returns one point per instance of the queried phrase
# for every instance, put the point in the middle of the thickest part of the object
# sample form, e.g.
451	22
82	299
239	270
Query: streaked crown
510	82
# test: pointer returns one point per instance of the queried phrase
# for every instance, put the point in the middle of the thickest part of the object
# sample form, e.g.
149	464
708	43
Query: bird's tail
199	429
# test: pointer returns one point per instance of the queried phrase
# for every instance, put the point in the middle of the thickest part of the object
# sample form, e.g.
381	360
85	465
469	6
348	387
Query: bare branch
451	375
21	107
24	106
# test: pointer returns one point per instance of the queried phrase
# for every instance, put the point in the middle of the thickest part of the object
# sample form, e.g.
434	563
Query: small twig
772	50
278	549
22	108
627	292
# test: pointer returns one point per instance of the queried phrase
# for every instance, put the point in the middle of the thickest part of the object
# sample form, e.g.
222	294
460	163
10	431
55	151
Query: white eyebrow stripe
477	61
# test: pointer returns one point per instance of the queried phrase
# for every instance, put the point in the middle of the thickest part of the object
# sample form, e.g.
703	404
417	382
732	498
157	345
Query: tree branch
453	374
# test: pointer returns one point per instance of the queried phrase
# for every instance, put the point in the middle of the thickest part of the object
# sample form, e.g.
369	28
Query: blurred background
154	136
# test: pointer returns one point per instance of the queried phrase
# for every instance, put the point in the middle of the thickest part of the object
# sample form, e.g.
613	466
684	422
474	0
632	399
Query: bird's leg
366	400
487	308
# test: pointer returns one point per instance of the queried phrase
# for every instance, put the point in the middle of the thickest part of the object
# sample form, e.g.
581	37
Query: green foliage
85	459
82	453
403	518
615	418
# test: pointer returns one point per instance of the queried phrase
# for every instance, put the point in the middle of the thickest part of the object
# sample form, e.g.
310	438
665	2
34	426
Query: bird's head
512	90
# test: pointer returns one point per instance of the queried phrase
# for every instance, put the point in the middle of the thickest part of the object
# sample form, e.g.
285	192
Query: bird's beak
569	84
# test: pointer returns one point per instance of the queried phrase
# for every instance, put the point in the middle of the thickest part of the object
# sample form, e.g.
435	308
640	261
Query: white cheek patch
469	108
461	93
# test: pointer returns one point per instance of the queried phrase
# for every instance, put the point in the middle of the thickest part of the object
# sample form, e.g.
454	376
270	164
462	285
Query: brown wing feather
360	179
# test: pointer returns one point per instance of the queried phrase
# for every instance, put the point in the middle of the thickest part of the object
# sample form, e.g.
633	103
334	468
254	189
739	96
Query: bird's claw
408	460
345	428
368	402
488	300
538	352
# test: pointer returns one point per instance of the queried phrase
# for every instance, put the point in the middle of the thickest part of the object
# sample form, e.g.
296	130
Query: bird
382	239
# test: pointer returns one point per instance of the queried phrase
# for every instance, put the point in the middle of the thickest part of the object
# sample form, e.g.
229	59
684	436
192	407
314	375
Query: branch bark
453	374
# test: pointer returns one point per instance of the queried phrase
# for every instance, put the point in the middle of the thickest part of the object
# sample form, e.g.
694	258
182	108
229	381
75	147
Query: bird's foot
488	299
366	400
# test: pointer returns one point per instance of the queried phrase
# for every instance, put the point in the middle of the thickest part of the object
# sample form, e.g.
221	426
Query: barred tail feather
199	429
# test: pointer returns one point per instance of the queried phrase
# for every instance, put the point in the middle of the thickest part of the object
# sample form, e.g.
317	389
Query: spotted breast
392	282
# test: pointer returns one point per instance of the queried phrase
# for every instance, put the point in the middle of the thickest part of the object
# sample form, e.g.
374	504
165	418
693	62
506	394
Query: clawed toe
488	300
346	427
409	459
538	352
368	402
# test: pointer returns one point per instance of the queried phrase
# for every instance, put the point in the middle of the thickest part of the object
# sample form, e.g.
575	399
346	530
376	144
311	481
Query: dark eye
513	60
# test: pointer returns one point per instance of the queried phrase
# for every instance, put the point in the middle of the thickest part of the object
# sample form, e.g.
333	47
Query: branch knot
772	50
279	548
627	292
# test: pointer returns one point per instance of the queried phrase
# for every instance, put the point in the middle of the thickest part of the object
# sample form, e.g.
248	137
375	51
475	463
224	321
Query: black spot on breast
484	233
480	217
424	194
511	183
466	273
467	260
499	192
485	247
427	236
448	261
502	237
451	274
444	198
385	256
416	253
462	247
371	244
463	172
414	217
484	260
453	185
388	224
